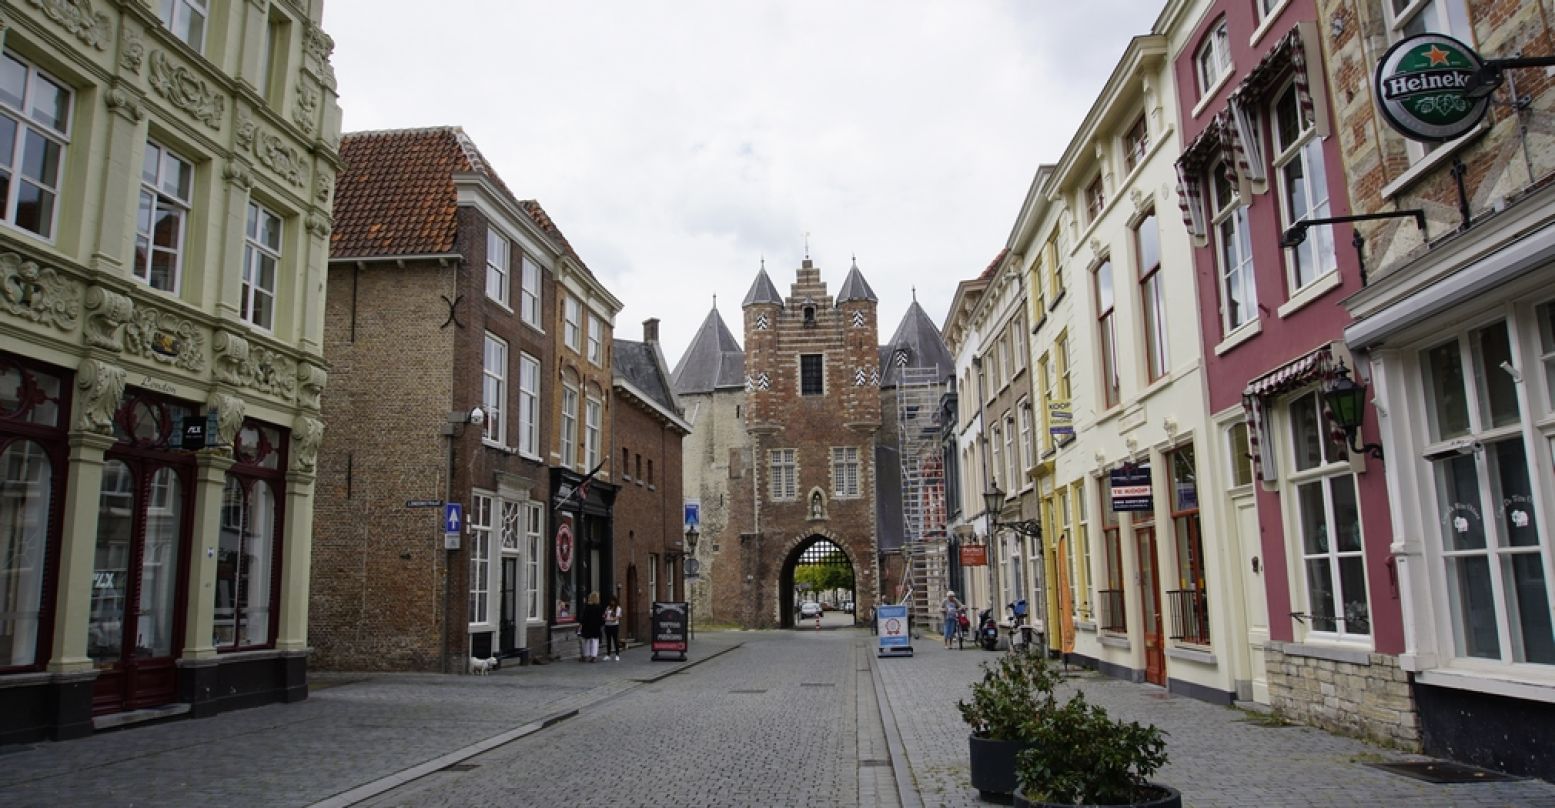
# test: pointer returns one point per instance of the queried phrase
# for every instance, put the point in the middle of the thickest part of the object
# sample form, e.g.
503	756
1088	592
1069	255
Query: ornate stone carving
1137	197
78	17
109	310
245	128
184	90
325	187
316	48
132	51
284	160
256	367
236	172
101	386
166	338
1096	246
124	103
307	105
38	294
307	436
310	384
319	225
229	418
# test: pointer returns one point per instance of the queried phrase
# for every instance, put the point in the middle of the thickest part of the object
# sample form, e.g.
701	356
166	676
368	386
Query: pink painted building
1309	515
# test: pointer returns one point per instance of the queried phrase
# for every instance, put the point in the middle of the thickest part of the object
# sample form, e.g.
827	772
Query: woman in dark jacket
590	624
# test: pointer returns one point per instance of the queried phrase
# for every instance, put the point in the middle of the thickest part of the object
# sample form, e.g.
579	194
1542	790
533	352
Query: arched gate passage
817	569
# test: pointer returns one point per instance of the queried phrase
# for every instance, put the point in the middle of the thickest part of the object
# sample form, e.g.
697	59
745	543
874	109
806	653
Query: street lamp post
451	429
993	500
693	568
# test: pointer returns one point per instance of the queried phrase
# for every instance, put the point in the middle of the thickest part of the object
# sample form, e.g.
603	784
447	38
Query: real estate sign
1131	488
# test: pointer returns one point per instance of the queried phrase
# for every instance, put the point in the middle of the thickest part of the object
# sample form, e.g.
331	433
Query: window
35	128
1241	458
166	190
1267	7
1026	447
1546	318
1238	299
271	78
1055	278
1004	360
995	469
1061	357
1045	393
1491	546
243	603
1152	298
186	19
650	472
480	559
528	404
1190	603
1214	58
653	576
533	556
1109	605
596	340
1018	345
32	447
1107	333
811	375
626	459
494	370
844	471
639	468
593	409
1095	200
1135	143
1014	475
1082	553
572	310
1298	163
497	275
529	292
569	436
261	256
1329	523
784	477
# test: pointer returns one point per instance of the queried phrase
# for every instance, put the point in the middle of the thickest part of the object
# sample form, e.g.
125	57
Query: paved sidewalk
353	729
1219	757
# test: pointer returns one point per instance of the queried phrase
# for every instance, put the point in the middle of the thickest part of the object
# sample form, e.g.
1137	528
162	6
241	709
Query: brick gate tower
812	410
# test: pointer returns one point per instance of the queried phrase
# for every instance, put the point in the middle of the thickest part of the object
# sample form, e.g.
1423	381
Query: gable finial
915	294
807	245
855	260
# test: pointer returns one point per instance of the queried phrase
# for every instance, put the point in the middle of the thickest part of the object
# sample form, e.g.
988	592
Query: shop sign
974	555
669	627
891	627
1131	488
1060	418
1419	87
564	544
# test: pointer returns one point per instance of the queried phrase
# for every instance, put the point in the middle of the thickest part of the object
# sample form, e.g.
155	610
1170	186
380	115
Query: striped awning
1317	366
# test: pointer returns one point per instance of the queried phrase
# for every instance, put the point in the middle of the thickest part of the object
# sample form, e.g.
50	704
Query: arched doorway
817	570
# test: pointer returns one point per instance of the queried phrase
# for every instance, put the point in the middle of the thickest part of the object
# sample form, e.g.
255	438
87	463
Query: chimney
651	329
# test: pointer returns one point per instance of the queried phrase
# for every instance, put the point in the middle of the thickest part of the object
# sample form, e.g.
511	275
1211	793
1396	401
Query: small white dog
482	667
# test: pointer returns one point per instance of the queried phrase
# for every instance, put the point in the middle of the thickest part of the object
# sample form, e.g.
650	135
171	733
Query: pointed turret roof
919	339
762	291
713	361
854	287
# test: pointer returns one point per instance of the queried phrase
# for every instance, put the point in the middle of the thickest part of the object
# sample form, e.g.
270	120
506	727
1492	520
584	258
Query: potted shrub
1077	755
1013	691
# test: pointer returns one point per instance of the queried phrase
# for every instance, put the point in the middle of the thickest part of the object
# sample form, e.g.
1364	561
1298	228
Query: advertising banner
892	624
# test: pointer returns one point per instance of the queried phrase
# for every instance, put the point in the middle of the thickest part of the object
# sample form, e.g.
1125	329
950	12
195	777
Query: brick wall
1369	699
647	508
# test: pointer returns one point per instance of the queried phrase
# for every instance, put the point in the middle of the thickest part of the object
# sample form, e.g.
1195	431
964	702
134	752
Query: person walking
952	609
613	629
590	620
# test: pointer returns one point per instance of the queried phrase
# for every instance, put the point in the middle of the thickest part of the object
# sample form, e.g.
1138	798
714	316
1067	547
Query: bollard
818	621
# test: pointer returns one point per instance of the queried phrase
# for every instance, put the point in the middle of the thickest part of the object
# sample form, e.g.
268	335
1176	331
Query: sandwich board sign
892	626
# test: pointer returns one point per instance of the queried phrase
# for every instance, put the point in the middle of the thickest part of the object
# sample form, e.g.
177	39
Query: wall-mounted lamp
993	498
1347	401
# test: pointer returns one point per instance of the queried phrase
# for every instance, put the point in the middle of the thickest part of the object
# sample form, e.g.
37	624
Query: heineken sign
1420	87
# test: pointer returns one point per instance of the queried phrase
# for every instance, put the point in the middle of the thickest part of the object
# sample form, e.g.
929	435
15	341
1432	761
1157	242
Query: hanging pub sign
974	555
1131	488
1421	85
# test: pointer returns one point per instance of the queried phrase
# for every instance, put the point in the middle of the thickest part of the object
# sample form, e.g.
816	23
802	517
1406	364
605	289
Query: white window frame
534	552
569	428
783	474
593	418
1152	300
494	387
845	472
30	123
572	311
528	405
596	339
1027	451
529	294
498	278
1107	333
255	252
1305	150
1232	216
1214	54
1334	468
1016	476
161	196
177	15
479	524
995	466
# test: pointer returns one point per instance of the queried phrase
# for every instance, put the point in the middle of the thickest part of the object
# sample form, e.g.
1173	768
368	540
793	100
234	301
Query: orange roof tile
993	266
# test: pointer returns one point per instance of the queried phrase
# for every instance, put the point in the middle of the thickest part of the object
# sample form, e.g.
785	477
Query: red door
1150	605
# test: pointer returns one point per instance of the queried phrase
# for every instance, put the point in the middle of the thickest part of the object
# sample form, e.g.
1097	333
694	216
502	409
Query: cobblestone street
754	718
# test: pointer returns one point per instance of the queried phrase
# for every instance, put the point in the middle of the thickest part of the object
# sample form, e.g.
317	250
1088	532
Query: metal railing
1187	614
1109	610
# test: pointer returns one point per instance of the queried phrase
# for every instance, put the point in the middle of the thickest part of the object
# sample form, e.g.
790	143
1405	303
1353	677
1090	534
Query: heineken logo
1420	86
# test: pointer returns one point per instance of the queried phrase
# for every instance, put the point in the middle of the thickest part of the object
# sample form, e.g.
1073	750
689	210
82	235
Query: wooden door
1255	599
1150	607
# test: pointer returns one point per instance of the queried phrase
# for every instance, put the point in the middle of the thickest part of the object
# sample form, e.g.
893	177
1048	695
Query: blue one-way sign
453	517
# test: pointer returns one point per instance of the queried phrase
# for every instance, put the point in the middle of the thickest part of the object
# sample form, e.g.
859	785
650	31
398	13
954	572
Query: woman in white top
613	630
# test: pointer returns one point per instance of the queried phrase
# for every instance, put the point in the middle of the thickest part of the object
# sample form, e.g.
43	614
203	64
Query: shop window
1188	605
1110	611
1328	519
480	559
534	542
32	463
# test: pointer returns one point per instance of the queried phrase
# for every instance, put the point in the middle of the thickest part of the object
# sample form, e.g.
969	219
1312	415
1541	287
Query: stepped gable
714	360
925	348
395	194
762	291
854	287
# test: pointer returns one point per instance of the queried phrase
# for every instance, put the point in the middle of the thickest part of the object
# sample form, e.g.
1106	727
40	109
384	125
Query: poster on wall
1131	488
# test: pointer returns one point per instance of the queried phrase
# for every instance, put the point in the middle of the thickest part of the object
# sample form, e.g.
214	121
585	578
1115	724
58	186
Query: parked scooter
987	630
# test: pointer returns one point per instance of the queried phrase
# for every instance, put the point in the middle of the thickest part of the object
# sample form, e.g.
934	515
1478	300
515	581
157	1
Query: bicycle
963	628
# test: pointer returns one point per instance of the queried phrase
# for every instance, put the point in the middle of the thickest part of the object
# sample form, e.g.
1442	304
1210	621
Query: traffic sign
693	567
453	517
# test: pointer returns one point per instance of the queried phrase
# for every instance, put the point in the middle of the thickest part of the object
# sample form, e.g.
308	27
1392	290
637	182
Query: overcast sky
677	143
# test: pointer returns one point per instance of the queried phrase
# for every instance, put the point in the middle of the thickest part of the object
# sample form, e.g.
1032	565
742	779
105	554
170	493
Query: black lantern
1347	401
692	535
993	499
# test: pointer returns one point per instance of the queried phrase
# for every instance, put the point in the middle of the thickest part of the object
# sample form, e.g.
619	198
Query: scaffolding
924	545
